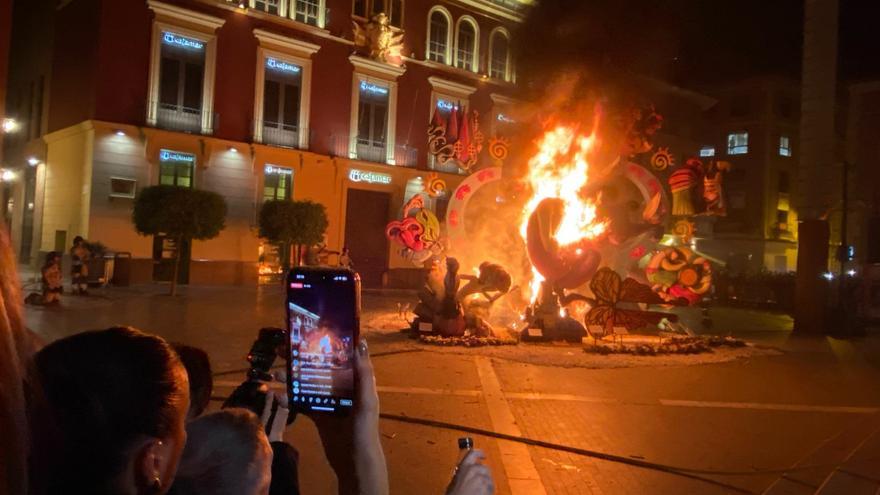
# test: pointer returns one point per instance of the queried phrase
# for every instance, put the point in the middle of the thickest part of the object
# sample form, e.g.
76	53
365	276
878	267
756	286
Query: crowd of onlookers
121	411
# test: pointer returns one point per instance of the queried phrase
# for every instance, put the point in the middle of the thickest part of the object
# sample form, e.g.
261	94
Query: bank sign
173	39
356	175
176	156
282	66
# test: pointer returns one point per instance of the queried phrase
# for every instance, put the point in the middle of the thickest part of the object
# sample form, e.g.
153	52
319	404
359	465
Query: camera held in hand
251	394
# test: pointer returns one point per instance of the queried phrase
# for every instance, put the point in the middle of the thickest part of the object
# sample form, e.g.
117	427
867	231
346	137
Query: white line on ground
760	406
521	474
770	406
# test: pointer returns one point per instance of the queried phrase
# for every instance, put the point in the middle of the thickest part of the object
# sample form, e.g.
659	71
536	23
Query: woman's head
227	452
109	412
52	258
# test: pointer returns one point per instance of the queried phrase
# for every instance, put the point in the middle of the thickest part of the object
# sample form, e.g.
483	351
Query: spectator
201	379
79	270
227	452
107	411
16	348
51	273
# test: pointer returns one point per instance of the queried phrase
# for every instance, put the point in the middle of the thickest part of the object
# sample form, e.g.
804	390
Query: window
782	219
784	146
176	168
466	45
372	123
738	143
281	102
181	82
121	187
499	55
277	183
391	8
359	8
438	37
784	183
707	151
269	6
308	11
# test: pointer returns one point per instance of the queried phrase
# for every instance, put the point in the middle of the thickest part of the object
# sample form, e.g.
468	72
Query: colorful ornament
682	182
418	233
684	229
499	148
434	186
713	194
662	159
679	273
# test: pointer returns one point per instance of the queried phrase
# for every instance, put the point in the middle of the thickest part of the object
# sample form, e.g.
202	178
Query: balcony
450	167
184	119
281	135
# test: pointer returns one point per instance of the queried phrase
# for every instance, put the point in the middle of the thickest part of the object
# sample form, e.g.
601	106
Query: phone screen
323	313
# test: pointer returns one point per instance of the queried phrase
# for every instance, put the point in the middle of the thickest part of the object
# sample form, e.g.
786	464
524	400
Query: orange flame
560	169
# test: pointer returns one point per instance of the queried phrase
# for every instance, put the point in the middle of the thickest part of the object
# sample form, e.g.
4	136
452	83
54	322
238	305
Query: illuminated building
264	102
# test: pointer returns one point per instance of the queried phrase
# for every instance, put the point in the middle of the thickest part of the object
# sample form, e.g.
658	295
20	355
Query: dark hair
201	380
78	239
96	393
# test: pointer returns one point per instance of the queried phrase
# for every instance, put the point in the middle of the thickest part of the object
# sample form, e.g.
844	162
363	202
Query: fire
560	169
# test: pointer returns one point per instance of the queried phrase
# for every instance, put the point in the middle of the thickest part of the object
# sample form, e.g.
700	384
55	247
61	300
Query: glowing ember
560	169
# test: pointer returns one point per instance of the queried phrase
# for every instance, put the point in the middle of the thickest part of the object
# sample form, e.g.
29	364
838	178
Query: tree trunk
178	246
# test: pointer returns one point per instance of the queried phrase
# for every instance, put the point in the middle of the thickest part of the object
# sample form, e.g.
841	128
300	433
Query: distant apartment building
253	99
754	126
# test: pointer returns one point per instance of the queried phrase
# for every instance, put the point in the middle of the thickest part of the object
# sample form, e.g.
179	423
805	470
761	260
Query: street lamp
33	161
7	176
10	125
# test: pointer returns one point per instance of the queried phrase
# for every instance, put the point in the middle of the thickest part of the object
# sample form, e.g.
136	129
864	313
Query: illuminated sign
445	105
173	39
356	175
176	156
273	170
372	88
504	118
282	66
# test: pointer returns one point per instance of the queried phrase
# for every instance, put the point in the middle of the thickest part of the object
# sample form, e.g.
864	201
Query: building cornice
277	19
452	87
370	66
481	78
185	15
500	99
267	38
493	9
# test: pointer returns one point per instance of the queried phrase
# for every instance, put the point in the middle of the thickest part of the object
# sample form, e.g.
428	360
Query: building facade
255	100
754	126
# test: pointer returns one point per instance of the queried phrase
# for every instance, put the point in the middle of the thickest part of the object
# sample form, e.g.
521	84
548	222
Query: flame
560	169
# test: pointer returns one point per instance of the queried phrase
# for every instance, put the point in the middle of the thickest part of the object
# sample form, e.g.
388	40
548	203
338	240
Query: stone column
815	184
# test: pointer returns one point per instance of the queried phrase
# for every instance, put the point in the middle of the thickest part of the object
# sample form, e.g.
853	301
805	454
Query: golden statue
378	40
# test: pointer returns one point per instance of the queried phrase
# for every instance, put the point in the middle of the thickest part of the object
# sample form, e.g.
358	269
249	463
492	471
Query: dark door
164	251
365	218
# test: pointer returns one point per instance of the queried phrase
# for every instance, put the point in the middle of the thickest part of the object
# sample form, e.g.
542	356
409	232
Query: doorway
366	215
164	251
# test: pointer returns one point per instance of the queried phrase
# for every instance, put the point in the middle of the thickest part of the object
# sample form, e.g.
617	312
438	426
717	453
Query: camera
251	394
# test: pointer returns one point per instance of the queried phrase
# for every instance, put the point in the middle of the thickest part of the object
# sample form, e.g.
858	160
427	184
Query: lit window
782	219
499	56
277	183
784	146
738	143
438	37
181	82
269	6
466	46
707	151
308	11
372	122
176	168
281	103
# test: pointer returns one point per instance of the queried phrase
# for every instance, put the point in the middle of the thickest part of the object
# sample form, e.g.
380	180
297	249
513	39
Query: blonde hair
227	452
16	348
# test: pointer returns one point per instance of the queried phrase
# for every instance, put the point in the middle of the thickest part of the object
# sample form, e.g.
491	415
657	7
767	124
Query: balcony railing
185	119
283	135
450	167
371	151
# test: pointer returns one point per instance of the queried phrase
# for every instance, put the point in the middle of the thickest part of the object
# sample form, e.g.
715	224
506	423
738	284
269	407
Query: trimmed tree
294	224
181	213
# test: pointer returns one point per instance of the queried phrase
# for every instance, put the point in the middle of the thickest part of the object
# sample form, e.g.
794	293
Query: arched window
439	49
466	46
499	55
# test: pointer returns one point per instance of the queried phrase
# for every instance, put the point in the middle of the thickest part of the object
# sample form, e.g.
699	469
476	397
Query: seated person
51	278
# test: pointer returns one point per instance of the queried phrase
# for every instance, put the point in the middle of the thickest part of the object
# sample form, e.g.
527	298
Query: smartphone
323	323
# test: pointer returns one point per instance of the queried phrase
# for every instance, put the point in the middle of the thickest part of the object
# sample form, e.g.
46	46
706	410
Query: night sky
692	43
